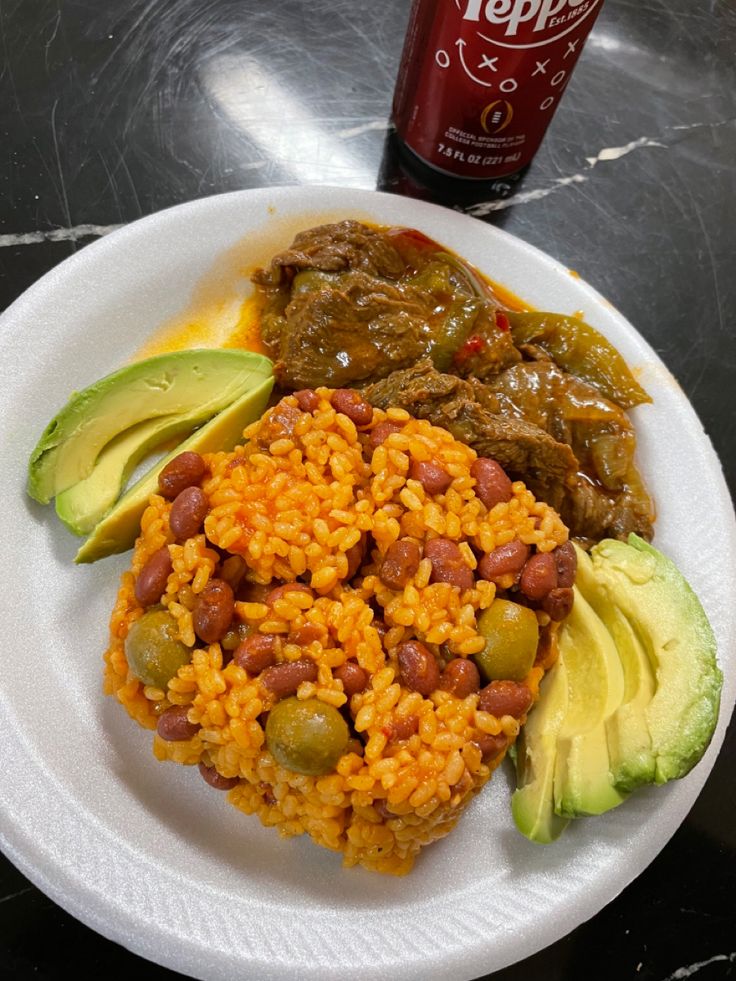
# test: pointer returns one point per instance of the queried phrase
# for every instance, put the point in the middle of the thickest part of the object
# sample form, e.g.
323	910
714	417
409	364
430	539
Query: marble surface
110	111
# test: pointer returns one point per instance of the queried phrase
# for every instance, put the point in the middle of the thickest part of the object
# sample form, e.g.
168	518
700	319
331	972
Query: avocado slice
642	688
668	619
83	504
532	803
118	530
629	740
194	385
583	783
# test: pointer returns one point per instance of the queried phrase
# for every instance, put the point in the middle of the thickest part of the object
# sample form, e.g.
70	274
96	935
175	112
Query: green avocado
583	783
629	740
532	803
633	698
191	385
118	530
82	505
667	618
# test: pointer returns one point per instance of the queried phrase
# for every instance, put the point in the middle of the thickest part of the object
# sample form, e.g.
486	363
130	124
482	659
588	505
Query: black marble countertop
113	110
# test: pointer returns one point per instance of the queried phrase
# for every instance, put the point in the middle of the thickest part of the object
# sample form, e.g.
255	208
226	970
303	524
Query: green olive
306	736
153	648
512	634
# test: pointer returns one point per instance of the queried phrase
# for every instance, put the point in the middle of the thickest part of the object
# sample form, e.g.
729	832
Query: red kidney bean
492	485
381	627
173	724
418	667
352	676
353	405
188	513
355	555
461	678
254	592
233	569
307	399
490	746
433	478
213	611
400	563
558	603
289	587
401	728
567	564
448	564
215	779
305	635
505	698
285	678
539	576
381	432
151	582
183	471
257	652
503	561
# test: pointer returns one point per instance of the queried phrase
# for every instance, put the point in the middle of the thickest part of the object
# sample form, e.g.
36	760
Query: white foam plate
147	854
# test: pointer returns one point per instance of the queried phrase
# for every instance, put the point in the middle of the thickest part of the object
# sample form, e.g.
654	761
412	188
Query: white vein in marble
72	234
605	155
14	895
690	969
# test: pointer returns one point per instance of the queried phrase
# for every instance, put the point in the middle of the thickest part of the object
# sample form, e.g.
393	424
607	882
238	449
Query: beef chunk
347	329
609	497
469	412
334	248
593	514
545	461
572	411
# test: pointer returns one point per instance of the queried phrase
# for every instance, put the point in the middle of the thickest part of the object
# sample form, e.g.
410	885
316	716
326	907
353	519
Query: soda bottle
479	80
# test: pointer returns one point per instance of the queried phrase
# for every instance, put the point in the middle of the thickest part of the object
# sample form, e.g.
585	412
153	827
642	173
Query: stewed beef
468	411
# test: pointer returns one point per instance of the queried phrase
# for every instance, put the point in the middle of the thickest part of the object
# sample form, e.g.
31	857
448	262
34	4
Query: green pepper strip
454	331
461	308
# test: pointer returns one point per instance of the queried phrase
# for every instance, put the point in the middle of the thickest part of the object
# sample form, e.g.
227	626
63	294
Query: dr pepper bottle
480	80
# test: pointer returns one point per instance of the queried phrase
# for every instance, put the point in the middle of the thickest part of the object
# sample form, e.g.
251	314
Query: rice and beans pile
307	619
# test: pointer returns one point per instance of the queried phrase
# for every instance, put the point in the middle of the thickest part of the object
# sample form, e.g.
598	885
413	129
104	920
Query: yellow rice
294	507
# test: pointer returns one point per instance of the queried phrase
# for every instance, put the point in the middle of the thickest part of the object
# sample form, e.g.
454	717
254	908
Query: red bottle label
480	79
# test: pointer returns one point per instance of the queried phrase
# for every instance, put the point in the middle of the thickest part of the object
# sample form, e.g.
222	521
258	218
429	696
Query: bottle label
523	19
480	79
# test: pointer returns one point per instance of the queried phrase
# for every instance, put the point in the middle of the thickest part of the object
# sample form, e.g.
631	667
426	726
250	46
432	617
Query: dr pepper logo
525	20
